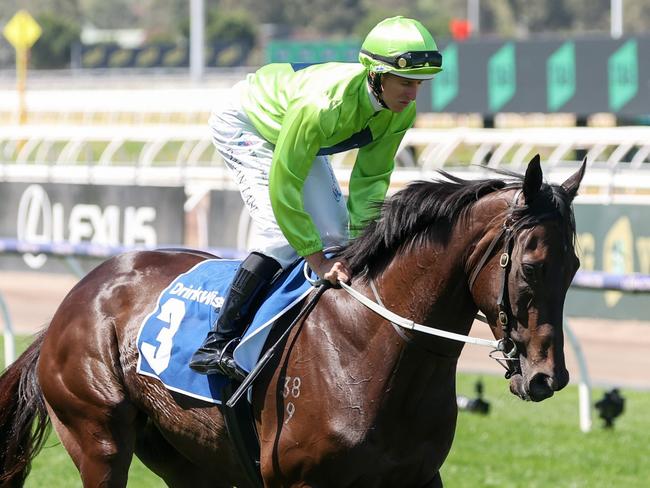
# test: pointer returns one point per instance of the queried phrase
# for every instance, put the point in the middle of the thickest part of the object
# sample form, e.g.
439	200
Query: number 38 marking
291	386
291	389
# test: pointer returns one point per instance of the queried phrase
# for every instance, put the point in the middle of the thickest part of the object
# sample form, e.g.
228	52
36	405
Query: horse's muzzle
539	387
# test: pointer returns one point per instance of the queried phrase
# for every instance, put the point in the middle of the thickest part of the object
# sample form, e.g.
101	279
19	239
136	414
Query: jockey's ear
572	183
533	179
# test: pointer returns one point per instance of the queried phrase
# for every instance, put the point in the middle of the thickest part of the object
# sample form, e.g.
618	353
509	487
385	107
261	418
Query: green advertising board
581	76
487	76
615	239
623	75
502	77
561	76
313	51
445	84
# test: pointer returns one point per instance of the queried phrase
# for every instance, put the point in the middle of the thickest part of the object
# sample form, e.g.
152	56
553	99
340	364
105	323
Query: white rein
406	323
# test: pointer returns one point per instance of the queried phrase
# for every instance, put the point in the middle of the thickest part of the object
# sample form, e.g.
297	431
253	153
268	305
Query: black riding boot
216	353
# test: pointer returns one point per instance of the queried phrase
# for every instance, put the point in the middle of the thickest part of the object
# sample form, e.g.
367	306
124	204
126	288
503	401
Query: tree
497	17
589	15
53	48
235	26
70	9
225	26
162	20
167	20
636	16
115	14
324	18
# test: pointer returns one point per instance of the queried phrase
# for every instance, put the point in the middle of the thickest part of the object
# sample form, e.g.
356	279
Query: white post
10	346
584	387
616	18
197	29
473	15
584	397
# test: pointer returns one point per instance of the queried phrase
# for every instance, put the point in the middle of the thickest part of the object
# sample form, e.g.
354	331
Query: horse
348	400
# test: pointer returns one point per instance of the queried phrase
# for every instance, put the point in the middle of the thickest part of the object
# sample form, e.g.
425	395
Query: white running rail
182	154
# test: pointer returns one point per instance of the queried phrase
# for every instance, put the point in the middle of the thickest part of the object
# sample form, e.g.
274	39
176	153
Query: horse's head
527	264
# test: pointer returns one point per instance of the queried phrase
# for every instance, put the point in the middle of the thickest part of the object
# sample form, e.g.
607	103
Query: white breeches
248	156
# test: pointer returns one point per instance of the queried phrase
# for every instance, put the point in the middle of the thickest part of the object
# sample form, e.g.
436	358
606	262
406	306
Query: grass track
517	445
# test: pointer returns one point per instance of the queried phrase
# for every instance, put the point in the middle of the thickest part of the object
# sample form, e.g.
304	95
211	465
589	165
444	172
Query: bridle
505	318
505	345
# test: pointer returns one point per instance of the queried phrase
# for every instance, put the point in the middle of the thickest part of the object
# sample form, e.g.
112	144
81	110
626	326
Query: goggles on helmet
412	59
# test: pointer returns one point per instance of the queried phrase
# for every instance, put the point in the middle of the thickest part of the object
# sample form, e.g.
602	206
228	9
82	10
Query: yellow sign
22	31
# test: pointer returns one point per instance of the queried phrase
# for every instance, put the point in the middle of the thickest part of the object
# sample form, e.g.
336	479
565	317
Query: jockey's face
398	92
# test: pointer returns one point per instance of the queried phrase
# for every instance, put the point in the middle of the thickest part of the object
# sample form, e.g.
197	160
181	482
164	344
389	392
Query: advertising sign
106	215
581	76
487	76
614	239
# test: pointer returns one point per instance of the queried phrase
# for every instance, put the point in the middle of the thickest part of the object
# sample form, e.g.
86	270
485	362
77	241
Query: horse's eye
531	271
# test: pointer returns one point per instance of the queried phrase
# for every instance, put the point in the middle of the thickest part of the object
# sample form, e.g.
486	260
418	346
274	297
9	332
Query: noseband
508	232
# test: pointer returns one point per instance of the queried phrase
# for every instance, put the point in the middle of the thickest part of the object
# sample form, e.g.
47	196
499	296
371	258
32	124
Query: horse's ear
533	179
572	183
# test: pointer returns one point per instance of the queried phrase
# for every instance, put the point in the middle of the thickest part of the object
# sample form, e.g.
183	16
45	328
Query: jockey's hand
333	270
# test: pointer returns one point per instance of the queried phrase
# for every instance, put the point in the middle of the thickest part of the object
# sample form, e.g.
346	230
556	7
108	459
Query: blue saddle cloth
185	312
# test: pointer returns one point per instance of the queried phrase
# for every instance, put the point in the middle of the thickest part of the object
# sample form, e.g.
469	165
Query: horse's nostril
540	387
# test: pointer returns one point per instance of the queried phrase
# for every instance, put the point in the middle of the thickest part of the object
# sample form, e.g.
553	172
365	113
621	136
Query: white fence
182	154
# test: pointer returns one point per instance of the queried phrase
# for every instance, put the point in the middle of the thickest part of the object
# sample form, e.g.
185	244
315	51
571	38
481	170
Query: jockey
276	133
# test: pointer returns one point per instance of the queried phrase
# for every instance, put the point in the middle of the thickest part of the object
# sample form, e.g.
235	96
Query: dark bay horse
350	402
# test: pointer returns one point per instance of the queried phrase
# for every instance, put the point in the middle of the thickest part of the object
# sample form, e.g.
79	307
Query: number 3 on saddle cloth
186	311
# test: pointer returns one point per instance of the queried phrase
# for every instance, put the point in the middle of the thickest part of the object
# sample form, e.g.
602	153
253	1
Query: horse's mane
426	211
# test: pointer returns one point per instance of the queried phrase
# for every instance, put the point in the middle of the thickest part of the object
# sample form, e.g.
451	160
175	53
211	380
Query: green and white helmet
403	47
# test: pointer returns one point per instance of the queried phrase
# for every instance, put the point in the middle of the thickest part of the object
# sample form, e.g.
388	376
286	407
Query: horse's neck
429	286
406	379
417	376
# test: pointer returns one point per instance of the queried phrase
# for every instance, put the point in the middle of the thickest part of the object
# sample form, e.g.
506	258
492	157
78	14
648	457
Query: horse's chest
368	466
373	457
